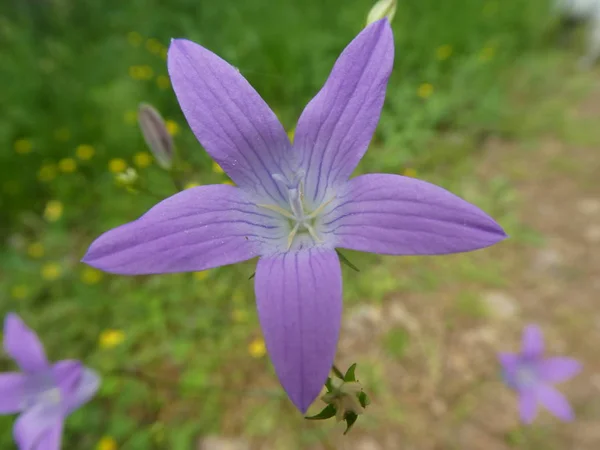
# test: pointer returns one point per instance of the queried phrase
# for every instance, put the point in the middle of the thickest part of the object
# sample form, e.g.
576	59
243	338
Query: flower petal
510	364
527	406
11	392
52	438
299	300
555	402
197	229
558	369
23	345
533	342
229	118
38	425
396	215
77	383
337	125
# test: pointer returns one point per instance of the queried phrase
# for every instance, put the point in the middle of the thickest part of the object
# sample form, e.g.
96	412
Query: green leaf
328	384
350	373
327	412
350	418
346	261
363	399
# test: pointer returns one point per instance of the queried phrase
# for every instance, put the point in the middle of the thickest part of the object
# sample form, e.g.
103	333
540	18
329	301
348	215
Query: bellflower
293	204
532	375
43	393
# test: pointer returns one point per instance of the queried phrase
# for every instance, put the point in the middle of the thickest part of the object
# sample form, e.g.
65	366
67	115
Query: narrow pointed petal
555	402
510	364
197	229
299	300
533	342
558	369
77	383
528	406
229	118
37	425
335	129
52	438
23	345
11	392
396	215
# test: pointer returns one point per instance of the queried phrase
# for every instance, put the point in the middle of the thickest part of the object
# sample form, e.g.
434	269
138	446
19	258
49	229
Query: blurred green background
181	355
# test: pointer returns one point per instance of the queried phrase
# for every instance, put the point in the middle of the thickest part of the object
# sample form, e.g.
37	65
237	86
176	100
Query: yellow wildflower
47	173
111	338
19	291
154	46
172	127
141	72
239	315
107	443
487	53
163	82
62	134
257	348
89	275
67	165
51	271
130	117
443	52
134	38
35	250
23	146
142	159
425	90
217	168
117	165
191	184
85	152
201	275
410	172
53	210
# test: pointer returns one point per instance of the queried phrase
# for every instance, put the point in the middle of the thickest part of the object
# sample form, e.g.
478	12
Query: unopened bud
344	397
156	135
381	9
127	178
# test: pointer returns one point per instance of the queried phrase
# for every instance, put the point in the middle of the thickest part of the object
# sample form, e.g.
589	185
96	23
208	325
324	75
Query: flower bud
156	135
127	178
344	397
381	9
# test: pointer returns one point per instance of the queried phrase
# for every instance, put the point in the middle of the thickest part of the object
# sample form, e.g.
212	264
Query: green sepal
350	373
350	418
252	276
337	373
327	413
328	384
363	399
346	261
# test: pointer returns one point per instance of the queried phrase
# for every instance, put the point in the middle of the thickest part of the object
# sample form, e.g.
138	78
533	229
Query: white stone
500	304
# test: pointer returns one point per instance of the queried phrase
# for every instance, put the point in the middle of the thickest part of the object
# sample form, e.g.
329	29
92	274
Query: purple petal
23	345
197	229
336	127
555	402
77	383
527	406
557	370
396	215
509	363
533	342
11	392
299	300
37	427
229	118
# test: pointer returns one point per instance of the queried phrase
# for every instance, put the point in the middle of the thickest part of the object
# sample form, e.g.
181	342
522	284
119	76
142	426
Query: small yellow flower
67	165
130	117
217	168
487	53
191	184
172	127
201	275
117	165
19	291
410	172
35	250
51	271
425	90
110	338
47	173
141	72
106	443
23	146
239	315
134	38
85	152
443	52
53	210
89	275
257	348
62	134
291	134
142	159
163	82
154	46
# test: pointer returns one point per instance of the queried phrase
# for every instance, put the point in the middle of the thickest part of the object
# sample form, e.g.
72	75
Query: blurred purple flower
531	375
43	393
294	204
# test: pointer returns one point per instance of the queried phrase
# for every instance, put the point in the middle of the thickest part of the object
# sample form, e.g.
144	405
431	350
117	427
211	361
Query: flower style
293	204
44	394
531	375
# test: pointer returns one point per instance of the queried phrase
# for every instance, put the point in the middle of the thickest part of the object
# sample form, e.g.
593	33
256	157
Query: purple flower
293	204
531	375
44	394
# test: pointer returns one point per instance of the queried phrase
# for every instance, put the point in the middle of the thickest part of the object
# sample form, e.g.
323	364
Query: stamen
317	211
277	209
292	235
313	233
